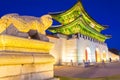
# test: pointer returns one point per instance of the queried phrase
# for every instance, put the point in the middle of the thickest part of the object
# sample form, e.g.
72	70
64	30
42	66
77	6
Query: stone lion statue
25	26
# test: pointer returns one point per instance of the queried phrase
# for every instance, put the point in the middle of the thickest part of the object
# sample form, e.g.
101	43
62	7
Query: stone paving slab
110	69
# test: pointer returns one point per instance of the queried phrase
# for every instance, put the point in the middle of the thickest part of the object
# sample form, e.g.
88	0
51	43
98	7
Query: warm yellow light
13	43
104	55
92	25
23	25
97	55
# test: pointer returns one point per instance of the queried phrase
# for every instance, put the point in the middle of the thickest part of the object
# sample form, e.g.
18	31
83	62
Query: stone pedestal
25	59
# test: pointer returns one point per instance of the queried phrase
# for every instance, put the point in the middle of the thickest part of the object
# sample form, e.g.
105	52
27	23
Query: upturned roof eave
61	13
73	22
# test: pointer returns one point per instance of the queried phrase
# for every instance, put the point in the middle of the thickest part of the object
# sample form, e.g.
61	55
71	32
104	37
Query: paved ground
110	69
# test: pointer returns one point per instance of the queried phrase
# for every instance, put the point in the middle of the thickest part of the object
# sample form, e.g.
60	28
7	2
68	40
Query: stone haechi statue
24	48
25	26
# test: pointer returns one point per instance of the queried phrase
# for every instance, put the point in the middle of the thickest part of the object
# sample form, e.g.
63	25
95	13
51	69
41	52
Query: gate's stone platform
24	56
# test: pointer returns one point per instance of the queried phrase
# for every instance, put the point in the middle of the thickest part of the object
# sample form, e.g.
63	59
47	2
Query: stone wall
25	59
91	47
56	50
72	50
113	56
26	72
22	66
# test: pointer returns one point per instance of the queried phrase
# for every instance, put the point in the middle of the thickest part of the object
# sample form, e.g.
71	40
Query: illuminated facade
78	37
24	48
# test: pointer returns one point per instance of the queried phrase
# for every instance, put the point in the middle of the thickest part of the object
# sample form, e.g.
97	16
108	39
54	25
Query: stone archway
97	55
87	54
104	55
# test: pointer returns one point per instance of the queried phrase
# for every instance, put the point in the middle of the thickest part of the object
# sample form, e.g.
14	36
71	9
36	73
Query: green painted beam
73	13
79	26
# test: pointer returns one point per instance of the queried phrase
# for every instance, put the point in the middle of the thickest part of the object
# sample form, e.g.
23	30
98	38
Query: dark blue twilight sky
105	12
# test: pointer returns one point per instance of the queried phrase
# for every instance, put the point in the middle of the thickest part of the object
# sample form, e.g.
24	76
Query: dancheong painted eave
65	17
79	26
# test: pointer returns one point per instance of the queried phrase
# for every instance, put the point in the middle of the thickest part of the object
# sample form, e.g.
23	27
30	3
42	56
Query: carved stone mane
26	23
26	26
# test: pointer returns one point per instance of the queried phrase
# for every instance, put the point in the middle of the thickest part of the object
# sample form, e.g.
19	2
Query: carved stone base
15	66
25	59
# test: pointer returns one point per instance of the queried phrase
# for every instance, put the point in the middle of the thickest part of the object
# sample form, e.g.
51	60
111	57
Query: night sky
105	12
